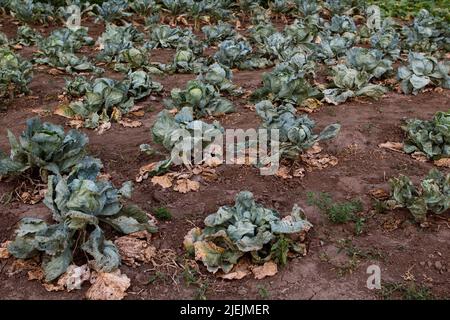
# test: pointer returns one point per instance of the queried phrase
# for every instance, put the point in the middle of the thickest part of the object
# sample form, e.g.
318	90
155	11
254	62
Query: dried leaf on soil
300	172
77	124
319	161
393	146
444	162
268	269
391	224
212	162
33	197
103	127
419	156
4	253
64	111
283	172
128	123
135	249
379	194
241	270
36	274
186	185
74	277
164	181
108	286
209	174
310	105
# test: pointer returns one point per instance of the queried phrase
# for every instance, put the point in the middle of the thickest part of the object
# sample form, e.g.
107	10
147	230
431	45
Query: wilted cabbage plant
15	73
218	32
289	82
43	146
58	50
238	54
351	83
203	98
220	77
247	228
185	61
295	132
331	48
426	34
163	36
117	39
167	130
433	195
107	99
259	32
421	72
341	25
387	40
370	61
27	36
64	40
431	137
79	202
31	11
112	10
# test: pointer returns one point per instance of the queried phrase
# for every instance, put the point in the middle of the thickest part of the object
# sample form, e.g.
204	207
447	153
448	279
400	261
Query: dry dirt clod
438	265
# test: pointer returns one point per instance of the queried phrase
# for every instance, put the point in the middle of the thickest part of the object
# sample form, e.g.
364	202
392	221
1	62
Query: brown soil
327	271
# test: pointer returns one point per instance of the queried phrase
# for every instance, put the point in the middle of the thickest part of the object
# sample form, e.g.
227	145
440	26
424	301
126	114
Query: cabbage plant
27	36
15	73
295	132
220	77
387	40
64	40
433	194
31	11
247	228
165	129
432	137
77	86
238	54
341	25
69	62
117	39
203	98
370	61
163	36
349	83
80	204
421	72
112	10
302	33
185	61
107	99
426	34
218	32
144	8
258	33
332	48
288	82
44	146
